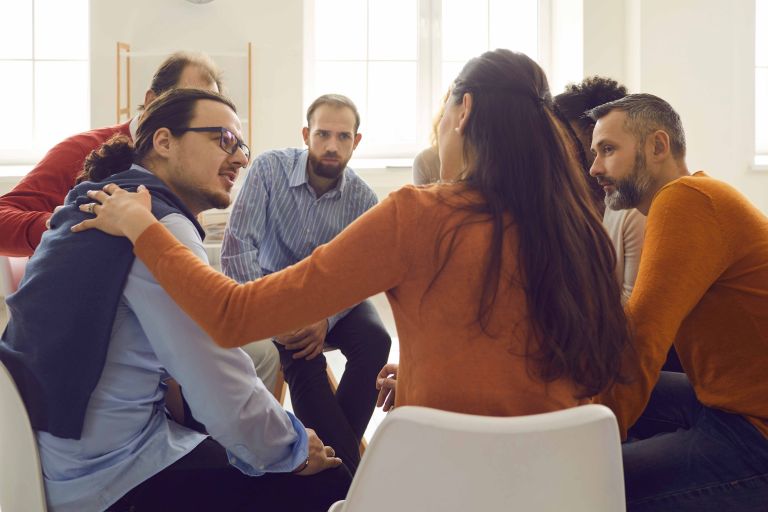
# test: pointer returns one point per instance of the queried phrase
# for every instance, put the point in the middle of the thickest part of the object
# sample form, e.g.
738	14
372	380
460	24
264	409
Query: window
761	83
396	58
44	65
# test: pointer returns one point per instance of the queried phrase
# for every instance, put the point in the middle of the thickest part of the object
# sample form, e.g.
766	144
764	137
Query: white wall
220	28
699	56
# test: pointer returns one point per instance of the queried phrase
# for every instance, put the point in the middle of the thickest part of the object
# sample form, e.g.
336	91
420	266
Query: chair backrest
11	272
21	479
429	460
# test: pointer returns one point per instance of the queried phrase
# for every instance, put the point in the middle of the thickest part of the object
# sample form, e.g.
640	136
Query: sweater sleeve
371	255
685	251
24	210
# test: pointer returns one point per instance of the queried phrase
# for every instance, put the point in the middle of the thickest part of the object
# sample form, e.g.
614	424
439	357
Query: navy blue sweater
57	337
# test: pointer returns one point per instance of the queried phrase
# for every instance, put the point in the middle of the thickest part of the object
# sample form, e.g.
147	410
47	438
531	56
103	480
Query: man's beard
630	190
330	172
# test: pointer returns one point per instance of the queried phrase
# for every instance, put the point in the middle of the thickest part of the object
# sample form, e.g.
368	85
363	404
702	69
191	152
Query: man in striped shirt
294	200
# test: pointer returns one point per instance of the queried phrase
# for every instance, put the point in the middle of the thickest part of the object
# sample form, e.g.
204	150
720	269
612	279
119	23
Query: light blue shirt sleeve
245	230
220	385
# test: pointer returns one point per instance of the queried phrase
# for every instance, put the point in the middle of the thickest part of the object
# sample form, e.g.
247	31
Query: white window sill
14	171
364	164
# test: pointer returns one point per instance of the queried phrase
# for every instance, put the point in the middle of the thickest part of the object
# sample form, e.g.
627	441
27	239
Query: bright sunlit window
761	83
396	58
44	65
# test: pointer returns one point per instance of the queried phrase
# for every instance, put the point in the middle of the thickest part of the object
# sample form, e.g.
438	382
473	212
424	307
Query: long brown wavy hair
522	161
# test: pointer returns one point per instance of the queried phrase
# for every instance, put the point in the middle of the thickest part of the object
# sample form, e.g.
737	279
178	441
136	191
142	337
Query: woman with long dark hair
501	280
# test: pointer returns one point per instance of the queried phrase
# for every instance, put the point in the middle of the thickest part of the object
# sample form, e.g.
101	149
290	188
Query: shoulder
98	136
698	191
620	219
428	158
275	162
284	157
186	233
359	187
83	143
420	198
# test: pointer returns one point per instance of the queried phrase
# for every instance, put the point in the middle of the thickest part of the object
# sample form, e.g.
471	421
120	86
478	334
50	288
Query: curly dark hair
573	105
591	92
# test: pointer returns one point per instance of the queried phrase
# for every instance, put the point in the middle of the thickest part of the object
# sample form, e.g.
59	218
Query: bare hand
321	457
386	383
118	213
307	342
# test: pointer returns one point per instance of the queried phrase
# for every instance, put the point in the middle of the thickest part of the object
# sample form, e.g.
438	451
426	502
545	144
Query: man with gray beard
697	442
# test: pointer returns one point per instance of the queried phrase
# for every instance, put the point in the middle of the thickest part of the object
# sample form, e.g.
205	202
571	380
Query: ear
305	135
660	147
161	142
149	97
466	110
358	138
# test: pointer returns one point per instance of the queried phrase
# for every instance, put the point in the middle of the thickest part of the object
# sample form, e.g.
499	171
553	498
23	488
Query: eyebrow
331	131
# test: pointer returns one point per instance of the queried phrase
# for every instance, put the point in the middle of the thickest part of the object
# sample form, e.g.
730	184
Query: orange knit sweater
446	361
702	284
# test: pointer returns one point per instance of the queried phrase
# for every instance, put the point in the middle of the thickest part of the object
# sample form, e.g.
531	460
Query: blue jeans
684	456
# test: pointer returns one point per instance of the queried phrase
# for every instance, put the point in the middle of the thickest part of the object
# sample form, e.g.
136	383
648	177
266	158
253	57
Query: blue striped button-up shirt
278	220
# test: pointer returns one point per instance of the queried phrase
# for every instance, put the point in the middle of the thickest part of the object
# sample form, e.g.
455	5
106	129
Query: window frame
760	158
16	160
429	77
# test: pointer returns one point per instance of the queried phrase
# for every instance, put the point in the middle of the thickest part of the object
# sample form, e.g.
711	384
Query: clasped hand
307	342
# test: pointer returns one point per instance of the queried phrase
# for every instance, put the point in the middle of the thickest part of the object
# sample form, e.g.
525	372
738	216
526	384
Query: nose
333	144
597	168
239	158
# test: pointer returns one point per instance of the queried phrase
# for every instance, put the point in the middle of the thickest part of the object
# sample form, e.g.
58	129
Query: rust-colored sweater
446	361
702	284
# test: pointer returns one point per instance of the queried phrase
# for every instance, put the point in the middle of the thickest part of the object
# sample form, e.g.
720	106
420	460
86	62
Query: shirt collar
298	176
133	126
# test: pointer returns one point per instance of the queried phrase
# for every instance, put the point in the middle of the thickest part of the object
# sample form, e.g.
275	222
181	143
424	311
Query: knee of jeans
380	342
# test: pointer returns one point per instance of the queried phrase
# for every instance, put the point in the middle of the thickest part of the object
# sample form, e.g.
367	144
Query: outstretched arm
370	256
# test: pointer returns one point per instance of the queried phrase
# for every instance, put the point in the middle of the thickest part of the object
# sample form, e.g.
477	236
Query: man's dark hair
173	110
647	113
591	92
335	100
168	74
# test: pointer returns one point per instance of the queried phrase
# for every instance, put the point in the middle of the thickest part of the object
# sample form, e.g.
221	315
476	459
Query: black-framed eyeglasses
228	141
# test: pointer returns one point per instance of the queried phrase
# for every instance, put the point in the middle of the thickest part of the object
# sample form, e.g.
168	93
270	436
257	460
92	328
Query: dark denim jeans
340	420
683	456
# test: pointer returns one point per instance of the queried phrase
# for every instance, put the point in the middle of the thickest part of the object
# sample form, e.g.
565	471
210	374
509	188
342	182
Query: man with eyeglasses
92	374
25	210
292	201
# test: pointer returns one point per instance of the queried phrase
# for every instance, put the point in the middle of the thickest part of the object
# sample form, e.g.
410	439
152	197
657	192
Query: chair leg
280	386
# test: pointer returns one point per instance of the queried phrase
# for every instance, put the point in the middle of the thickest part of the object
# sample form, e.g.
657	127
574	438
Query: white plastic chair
21	479
11	272
424	460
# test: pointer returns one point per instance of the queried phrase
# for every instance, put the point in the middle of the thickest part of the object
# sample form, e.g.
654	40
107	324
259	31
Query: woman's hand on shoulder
118	212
